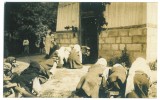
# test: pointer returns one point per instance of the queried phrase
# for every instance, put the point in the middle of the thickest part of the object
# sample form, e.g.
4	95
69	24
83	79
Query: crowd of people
99	81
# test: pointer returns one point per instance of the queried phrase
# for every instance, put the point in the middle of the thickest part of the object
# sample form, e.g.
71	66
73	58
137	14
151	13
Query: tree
28	19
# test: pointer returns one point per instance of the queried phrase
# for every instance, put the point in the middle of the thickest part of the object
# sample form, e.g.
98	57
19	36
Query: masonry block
70	35
74	40
134	47
121	46
118	39
110	40
117	53
123	32
139	54
144	47
126	39
60	36
144	31
101	40
139	39
65	36
106	47
55	35
64	40
114	46
64	44
135	31
112	33
102	53
104	34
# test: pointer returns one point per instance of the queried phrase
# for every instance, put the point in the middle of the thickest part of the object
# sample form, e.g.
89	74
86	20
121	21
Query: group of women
100	80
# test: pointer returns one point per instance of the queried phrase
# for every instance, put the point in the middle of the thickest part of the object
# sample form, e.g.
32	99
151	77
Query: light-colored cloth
118	72
25	42
91	82
78	49
47	43
63	53
139	64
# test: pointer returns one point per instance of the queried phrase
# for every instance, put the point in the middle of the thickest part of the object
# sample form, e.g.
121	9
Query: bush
124	59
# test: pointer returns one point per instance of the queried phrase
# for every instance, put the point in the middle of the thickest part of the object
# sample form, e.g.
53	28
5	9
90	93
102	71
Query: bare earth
64	83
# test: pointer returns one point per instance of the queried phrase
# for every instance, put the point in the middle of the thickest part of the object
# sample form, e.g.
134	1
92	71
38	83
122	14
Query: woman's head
102	61
77	47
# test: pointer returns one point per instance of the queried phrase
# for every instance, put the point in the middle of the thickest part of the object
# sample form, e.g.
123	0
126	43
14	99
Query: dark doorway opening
88	29
89	37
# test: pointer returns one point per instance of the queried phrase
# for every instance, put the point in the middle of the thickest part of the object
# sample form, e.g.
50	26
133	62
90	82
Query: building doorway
88	30
89	37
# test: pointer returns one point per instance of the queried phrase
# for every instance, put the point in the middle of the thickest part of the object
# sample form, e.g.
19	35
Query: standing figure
26	46
48	44
41	46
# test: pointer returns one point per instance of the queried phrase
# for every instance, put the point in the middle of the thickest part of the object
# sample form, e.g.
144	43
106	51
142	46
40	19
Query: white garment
25	42
53	69
47	43
63	53
78	49
37	86
139	64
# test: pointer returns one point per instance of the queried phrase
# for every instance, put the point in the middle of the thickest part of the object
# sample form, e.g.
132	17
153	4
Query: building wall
113	41
68	15
152	20
66	39
119	14
130	25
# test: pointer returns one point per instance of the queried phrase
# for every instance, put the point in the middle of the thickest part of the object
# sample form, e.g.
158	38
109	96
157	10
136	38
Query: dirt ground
64	83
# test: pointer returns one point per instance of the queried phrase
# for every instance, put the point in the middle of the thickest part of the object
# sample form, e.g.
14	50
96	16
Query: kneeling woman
75	57
138	81
89	84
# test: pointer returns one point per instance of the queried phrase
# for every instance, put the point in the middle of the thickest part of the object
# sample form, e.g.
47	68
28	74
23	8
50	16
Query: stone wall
66	38
113	41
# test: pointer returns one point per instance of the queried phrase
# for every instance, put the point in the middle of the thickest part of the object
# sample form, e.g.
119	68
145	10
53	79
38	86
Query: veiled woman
75	57
89	85
138	80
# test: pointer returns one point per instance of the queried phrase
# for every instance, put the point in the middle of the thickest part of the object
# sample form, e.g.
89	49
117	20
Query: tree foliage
28	19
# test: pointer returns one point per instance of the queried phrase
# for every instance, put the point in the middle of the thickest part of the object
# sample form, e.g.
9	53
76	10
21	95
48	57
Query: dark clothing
26	77
117	80
141	85
10	60
41	43
74	60
52	50
91	82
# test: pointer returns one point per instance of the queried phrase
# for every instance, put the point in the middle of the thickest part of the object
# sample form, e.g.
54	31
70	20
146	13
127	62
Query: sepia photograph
80	50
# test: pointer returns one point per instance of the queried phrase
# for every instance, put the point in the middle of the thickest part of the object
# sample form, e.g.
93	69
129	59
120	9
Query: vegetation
124	59
27	20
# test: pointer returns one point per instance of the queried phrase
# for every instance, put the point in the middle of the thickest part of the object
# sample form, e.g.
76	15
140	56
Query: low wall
66	38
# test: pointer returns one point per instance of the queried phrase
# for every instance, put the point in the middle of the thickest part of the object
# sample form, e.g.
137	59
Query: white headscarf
139	64
77	47
102	61
117	65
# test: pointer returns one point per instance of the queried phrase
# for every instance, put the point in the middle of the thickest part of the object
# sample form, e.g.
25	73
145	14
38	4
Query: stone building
130	25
